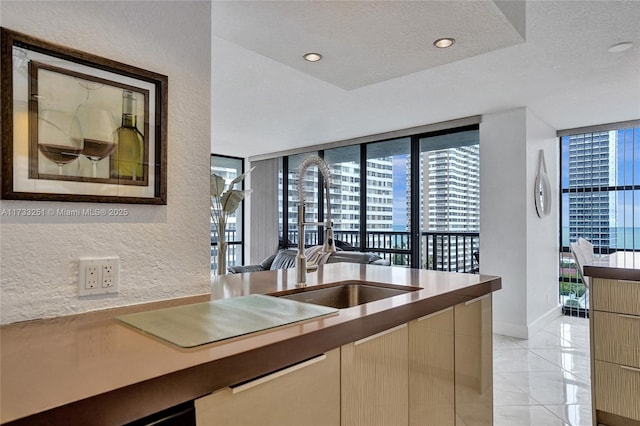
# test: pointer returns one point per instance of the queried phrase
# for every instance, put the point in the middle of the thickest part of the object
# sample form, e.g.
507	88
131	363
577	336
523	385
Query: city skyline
598	173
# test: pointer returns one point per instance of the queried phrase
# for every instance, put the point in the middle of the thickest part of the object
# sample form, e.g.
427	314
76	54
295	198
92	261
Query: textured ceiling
562	72
368	42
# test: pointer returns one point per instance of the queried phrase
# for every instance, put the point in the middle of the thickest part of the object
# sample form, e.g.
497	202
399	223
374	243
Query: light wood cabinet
307	393
434	371
618	390
375	388
615	352
618	337
431	370
448	365
610	295
474	362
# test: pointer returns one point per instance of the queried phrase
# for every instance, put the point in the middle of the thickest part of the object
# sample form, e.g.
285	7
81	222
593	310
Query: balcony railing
234	249
451	251
443	251
574	295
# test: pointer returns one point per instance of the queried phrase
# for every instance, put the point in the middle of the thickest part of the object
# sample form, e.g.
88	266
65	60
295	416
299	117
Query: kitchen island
91	369
614	324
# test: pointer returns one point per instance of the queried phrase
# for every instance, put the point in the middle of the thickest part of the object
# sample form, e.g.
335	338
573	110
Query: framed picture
79	127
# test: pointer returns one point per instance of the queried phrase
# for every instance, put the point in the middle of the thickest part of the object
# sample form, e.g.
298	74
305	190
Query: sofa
286	258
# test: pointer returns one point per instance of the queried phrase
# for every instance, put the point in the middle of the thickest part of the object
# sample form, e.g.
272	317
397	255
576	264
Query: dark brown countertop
90	369
621	265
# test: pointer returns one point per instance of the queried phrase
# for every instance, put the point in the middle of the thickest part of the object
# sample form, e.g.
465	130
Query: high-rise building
451	204
380	194
593	165
451	189
345	199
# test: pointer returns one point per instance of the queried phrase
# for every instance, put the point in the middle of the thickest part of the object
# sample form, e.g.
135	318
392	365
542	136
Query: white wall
543	242
515	244
163	250
503	230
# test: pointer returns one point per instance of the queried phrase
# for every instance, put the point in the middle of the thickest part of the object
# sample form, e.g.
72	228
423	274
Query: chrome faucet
329	245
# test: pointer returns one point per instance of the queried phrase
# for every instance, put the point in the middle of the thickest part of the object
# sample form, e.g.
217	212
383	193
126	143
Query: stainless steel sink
347	294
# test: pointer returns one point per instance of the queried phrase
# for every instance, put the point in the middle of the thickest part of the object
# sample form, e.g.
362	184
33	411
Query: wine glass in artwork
59	137
98	127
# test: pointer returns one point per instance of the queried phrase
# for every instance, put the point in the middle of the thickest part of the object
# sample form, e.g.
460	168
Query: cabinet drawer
617	389
617	338
616	296
303	394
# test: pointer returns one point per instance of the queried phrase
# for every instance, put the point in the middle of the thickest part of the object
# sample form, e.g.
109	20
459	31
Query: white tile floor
543	381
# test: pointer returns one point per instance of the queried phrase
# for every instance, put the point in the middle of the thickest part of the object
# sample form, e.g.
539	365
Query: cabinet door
303	394
618	390
375	380
431	374
617	337
474	362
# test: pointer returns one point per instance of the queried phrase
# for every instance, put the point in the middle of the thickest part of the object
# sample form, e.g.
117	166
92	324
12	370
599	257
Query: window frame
415	234
565	277
239	245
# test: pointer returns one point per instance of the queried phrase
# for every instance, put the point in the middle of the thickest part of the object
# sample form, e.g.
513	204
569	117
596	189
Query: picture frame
79	127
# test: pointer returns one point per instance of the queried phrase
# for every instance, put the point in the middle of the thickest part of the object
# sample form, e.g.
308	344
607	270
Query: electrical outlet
98	275
110	274
91	277
107	276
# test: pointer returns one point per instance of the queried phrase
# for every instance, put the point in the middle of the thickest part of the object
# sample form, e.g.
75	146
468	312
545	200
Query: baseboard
523	332
544	319
510	329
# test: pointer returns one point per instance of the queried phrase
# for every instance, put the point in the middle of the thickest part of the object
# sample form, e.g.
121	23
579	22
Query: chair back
580	255
587	249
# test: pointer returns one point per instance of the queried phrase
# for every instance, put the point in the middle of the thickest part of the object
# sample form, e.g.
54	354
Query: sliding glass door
229	168
450	200
413	200
388	200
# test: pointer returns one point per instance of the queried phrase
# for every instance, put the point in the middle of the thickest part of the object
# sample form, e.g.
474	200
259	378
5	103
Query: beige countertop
91	369
621	265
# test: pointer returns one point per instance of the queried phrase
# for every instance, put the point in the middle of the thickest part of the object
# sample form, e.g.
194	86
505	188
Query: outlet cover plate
98	275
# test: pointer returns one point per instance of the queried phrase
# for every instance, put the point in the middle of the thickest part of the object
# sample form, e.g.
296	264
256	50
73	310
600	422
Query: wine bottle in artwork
127	159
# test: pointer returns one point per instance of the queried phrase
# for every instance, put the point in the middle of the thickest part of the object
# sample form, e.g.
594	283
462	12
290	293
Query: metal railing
573	294
443	251
234	249
451	251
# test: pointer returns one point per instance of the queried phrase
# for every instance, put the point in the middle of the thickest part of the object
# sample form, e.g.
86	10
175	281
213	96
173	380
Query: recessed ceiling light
620	47
312	57
443	43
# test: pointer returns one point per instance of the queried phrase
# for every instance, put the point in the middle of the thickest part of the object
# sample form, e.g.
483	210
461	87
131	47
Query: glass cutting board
198	324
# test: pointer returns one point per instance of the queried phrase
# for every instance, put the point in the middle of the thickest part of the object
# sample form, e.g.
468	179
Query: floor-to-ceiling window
344	163
288	195
413	200
450	200
600	186
229	168
388	200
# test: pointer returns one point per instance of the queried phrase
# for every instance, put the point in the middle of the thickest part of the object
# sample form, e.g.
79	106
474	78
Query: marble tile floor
545	380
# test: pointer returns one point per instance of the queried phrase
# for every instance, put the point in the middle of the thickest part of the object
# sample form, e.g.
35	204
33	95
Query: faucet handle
301	270
329	245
